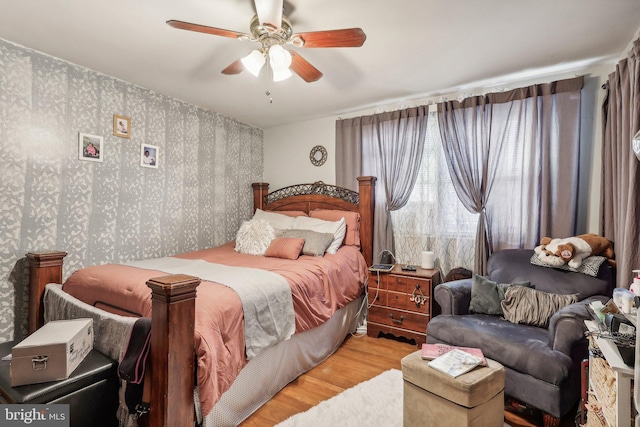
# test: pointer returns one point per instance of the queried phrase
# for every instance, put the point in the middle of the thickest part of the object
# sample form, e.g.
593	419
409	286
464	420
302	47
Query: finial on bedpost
260	189
44	268
366	190
173	308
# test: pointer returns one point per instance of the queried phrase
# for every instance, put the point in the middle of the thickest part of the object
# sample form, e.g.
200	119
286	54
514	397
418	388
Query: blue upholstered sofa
542	364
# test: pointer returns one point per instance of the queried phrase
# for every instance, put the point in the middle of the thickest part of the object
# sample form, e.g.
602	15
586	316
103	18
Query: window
434	219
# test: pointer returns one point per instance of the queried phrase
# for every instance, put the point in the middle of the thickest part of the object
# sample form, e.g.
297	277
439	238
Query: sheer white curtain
434	219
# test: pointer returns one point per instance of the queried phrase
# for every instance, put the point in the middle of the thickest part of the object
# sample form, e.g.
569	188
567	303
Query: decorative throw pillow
285	247
254	237
315	244
590	265
532	307
337	228
352	236
277	220
486	295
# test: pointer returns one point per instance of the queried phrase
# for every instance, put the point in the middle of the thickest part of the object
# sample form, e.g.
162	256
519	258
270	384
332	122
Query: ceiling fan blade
269	13
303	68
181	25
235	67
348	37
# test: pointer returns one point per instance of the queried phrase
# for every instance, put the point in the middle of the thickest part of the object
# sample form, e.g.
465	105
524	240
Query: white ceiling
414	48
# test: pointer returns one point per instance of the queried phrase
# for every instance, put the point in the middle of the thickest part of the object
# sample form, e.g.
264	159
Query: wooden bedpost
44	268
260	189
366	189
173	304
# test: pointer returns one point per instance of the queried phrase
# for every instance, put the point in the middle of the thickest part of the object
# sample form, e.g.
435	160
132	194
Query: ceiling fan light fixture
279	58
254	62
279	75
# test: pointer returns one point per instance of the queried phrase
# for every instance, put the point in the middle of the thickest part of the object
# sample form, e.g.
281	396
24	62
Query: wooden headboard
307	197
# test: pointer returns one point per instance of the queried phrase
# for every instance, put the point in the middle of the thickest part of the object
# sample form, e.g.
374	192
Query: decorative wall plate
318	155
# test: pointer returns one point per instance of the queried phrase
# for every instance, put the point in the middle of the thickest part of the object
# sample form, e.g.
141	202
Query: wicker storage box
595	416
602	382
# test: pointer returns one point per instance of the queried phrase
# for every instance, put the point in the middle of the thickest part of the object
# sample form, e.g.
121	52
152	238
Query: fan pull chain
268	77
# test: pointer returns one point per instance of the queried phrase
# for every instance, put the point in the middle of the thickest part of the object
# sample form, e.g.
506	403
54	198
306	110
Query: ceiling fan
272	30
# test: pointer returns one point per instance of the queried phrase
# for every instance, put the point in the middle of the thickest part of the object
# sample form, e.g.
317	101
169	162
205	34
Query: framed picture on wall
90	147
121	126
149	156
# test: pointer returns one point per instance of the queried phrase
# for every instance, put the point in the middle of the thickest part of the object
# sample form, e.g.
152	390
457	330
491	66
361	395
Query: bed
172	369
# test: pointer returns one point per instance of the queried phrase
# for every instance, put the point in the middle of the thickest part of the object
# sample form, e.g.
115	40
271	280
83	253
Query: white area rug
376	402
373	403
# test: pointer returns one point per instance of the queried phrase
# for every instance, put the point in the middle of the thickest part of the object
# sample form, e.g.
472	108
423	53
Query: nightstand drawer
399	318
403	301
397	300
397	283
373	279
379	298
419	285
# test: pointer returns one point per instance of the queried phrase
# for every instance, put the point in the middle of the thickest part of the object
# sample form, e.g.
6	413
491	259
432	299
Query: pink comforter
319	286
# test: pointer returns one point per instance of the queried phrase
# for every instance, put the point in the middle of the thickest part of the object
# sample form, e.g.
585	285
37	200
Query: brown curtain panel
513	158
620	193
388	146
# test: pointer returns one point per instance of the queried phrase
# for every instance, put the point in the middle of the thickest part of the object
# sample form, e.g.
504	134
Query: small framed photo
90	147
149	156
121	126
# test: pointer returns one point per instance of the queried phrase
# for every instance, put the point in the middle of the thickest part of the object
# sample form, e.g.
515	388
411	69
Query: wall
286	156
295	141
115	210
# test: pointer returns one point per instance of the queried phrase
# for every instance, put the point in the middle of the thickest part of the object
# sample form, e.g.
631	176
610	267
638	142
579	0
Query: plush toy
572	250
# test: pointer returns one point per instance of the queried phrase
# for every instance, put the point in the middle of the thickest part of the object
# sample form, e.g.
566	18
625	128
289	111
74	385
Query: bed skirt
273	369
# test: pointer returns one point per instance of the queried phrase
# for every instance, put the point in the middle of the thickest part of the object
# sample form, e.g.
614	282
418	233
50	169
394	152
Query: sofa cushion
514	265
531	307
523	348
486	295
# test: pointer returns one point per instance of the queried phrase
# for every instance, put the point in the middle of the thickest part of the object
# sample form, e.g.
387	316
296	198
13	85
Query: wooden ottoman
433	398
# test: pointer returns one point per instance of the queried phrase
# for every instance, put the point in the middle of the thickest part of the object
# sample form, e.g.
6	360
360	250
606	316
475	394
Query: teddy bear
573	250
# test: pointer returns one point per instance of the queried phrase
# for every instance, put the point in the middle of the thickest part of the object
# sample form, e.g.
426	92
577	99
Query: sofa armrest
454	297
566	326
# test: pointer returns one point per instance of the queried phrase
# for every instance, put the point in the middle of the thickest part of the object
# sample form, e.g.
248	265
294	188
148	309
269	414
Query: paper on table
455	363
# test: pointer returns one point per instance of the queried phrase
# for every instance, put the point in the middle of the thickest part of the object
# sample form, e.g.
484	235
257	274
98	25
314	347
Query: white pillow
254	237
278	221
337	228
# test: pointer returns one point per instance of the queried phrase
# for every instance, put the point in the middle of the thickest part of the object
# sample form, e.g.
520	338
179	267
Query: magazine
431	351
455	362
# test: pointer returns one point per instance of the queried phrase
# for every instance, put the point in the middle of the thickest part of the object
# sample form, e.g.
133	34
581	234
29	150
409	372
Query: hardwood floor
357	360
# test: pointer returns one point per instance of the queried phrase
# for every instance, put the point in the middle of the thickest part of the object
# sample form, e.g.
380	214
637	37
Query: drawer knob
396	321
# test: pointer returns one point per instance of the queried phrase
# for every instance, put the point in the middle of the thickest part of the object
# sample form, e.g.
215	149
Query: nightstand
401	303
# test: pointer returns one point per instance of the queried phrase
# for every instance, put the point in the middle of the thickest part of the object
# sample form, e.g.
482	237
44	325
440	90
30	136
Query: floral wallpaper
114	210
